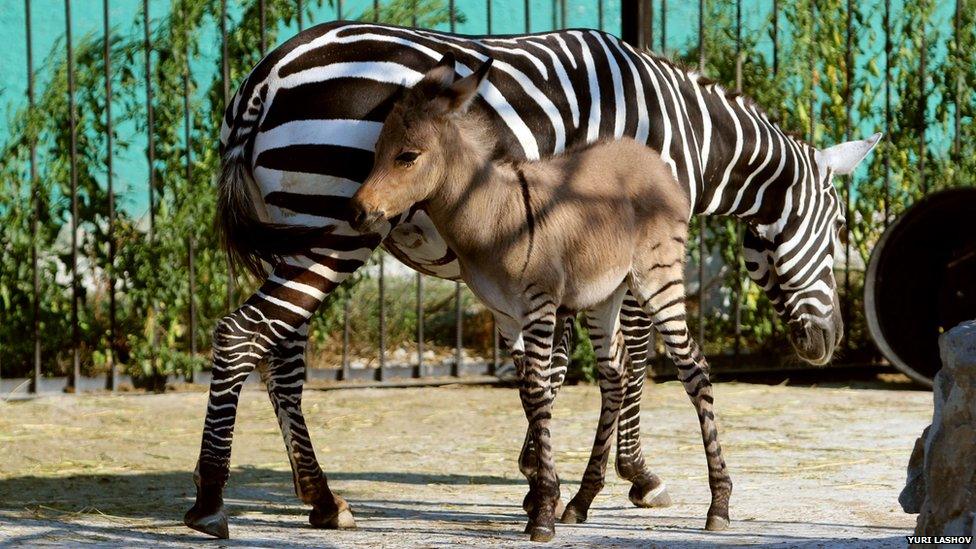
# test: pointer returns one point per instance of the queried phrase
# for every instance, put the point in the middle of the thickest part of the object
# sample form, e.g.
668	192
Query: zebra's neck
727	152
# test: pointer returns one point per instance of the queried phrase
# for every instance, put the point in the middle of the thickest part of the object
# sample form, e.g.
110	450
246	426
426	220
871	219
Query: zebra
297	140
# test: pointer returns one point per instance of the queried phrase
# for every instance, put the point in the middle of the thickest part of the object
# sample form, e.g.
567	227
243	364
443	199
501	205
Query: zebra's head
791	254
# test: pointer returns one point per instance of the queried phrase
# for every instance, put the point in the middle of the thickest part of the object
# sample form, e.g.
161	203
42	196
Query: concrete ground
432	467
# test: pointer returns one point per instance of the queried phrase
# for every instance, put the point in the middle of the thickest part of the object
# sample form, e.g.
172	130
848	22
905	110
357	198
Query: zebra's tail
249	240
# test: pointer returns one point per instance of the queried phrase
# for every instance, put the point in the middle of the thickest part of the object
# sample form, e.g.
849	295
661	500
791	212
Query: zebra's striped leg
284	377
648	489
535	390
609	351
269	318
560	364
663	298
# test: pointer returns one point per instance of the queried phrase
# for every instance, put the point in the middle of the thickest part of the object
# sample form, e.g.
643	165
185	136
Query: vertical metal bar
262	20
452	15
812	61
73	129
300	8
775	37
413	13
848	180
151	161
739	288
555	12
35	216
344	374
494	347
701	218
922	100
458	330
488	16
382	304
637	23
420	325
562	13
599	14
187	138
107	61
338	10
225	81
664	27
376	11
887	93
957	129
150	123
528	18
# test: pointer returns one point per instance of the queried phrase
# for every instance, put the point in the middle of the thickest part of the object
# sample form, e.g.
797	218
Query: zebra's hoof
650	497
213	524
572	515
541	533
716	523
340	519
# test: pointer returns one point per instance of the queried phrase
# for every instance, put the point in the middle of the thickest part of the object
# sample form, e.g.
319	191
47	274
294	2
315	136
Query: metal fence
638	21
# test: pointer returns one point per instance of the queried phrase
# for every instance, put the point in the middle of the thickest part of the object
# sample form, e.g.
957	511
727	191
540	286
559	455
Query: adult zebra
297	141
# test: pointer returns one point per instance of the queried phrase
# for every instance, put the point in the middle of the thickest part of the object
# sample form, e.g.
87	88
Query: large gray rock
941	485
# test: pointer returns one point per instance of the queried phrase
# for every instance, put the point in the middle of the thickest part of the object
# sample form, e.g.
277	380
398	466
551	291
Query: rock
941	483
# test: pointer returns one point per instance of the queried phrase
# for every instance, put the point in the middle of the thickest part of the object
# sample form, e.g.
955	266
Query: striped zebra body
297	141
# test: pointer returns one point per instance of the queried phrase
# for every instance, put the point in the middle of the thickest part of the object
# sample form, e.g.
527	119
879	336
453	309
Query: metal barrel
921	281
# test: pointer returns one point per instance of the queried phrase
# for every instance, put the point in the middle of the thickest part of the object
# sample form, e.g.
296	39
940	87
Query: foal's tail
250	241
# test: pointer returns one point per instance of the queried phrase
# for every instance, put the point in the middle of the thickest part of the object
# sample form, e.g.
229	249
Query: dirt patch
436	466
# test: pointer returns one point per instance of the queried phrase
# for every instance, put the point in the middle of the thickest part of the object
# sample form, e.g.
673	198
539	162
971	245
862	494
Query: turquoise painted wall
508	17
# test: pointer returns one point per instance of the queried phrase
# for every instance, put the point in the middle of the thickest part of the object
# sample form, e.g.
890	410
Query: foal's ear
437	79
456	98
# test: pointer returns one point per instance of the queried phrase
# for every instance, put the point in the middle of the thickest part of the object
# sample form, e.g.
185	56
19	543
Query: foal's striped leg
535	391
560	363
648	489
660	289
603	327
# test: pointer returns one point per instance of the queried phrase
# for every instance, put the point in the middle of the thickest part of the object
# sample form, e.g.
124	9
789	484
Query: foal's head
420	139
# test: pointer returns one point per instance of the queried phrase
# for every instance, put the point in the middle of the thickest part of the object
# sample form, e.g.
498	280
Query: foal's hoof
650	497
213	524
716	523
572	515
340	519
528	506
541	533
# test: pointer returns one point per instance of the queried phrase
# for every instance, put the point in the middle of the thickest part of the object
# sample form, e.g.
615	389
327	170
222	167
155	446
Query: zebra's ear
842	159
437	79
458	96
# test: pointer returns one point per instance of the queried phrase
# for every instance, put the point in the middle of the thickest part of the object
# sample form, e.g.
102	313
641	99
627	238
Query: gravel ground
812	467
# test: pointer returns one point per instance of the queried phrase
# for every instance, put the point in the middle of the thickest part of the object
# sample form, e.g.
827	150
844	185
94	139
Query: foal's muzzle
363	220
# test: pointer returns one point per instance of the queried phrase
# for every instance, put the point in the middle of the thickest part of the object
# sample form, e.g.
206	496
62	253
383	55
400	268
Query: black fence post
344	374
420	326
107	61
886	150
151	161
225	83
458	331
382	319
702	252
188	140
35	216
849	179
73	129
262	20
635	23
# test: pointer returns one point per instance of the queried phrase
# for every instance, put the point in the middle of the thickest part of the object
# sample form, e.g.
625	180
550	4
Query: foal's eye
407	157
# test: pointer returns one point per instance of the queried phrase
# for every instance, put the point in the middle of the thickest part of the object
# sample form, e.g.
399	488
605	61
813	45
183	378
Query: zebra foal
571	233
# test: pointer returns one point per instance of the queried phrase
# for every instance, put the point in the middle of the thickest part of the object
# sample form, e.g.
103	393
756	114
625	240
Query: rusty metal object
921	281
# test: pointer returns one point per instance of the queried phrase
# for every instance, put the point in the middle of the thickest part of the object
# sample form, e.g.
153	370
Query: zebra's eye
407	158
